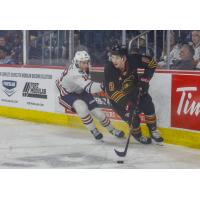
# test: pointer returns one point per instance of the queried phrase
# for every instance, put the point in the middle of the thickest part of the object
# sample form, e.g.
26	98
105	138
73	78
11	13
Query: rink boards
30	93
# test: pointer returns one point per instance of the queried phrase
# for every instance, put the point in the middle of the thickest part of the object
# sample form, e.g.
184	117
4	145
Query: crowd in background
54	50
184	53
11	47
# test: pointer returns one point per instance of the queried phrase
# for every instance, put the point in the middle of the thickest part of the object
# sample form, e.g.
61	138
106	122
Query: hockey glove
128	108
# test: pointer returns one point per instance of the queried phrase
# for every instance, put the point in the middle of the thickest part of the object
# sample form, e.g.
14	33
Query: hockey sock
84	113
151	122
136	130
106	123
103	119
88	121
135	124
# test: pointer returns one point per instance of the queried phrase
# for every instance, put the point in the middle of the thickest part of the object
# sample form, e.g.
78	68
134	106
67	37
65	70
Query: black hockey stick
123	153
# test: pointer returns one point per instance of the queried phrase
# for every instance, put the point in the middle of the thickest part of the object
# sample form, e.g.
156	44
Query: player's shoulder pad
149	61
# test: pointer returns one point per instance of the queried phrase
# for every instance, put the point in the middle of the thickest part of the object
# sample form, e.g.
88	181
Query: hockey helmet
120	50
81	56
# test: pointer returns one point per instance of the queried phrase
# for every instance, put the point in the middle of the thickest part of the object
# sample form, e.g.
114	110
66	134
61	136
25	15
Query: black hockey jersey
120	88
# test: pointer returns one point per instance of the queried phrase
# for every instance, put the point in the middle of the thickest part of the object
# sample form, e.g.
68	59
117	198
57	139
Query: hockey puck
120	161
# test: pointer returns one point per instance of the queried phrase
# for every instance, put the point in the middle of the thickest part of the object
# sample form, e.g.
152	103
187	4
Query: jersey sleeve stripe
119	97
117	93
87	88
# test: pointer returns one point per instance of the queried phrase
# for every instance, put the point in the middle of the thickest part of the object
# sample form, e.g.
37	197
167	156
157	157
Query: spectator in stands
142	47
105	56
186	61
196	45
77	43
4	44
134	50
174	55
34	51
17	50
4	58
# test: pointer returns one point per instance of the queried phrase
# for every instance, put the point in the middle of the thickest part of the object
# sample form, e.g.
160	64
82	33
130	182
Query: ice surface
33	145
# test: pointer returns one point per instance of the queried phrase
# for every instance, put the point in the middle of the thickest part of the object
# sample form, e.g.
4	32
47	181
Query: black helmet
120	50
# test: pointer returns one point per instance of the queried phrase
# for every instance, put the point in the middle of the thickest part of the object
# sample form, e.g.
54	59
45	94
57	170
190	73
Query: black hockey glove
128	108
144	85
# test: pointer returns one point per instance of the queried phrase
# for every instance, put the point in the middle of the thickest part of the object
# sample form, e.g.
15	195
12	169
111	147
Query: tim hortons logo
187	105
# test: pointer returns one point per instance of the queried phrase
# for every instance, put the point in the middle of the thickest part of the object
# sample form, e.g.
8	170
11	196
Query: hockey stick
123	153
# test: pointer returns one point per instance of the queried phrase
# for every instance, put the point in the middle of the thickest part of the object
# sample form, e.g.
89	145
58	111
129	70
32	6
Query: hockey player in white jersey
76	91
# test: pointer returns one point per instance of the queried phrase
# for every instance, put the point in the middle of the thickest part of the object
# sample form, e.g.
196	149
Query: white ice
33	145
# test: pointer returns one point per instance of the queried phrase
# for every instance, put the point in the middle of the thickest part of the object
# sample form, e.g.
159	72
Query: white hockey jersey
73	80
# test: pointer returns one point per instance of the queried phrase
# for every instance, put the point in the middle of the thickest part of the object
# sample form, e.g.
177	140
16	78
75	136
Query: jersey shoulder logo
128	83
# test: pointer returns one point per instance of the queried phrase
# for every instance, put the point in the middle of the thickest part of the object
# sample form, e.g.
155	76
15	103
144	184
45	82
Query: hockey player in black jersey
122	86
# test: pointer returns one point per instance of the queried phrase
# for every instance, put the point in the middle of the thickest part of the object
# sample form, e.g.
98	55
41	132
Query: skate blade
137	142
157	143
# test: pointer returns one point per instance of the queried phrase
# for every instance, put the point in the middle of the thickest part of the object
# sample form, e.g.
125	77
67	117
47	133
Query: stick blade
120	154
123	153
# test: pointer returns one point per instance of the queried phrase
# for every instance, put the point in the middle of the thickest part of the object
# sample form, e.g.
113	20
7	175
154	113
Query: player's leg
99	115
137	132
135	124
72	102
82	110
105	122
147	106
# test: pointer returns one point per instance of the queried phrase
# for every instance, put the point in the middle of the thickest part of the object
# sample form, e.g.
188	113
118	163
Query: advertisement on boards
185	110
27	88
